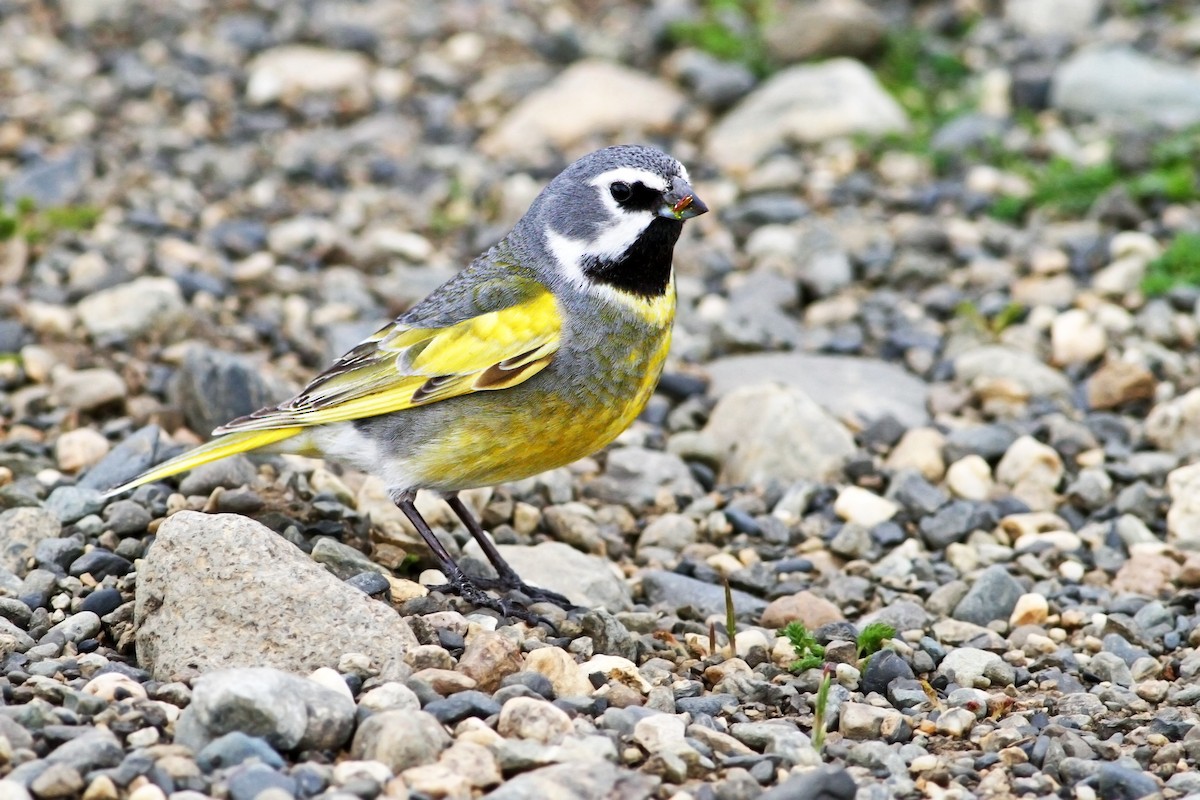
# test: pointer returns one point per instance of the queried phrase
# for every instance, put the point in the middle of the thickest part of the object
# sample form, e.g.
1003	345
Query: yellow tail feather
227	445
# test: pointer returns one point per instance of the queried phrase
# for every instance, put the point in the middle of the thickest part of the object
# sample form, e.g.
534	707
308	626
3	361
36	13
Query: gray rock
777	737
588	99
807	103
951	523
1110	667
1116	782
229	473
213	387
400	739
671	531
287	711
21	529
1023	369
1062	18
51	181
847	387
95	749
86	389
1121	83
75	628
634	475
777	433
707	598
73	503
185	627
713	81
585	580
823	783
824	29
131	309
133	456
595	780
342	560
968	131
970	666
993	596
127	518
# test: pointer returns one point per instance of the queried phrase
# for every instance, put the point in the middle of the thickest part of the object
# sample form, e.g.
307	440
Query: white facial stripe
630	175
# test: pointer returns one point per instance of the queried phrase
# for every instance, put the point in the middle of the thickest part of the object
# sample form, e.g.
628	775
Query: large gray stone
597	780
288	711
586	580
20	531
1120	83
589	99
845	386
806	103
224	591
1008	363
777	433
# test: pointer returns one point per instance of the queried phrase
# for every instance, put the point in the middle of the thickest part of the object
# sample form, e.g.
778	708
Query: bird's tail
227	445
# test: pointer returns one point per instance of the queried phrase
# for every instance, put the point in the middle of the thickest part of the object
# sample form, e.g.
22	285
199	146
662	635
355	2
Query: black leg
457	581
506	577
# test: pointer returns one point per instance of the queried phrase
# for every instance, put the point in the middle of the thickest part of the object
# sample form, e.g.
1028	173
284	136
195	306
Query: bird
540	352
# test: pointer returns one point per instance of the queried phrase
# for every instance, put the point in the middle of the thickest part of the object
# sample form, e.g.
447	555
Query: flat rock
290	73
597	780
707	598
1121	83
862	389
222	591
998	362
824	29
20	531
589	99
770	432
133	308
586	580
806	103
1061	18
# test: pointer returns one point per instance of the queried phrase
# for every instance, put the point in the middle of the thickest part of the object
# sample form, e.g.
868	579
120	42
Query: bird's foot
472	591
534	594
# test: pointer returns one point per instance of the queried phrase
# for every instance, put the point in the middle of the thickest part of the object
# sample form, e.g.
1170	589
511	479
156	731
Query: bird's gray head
613	217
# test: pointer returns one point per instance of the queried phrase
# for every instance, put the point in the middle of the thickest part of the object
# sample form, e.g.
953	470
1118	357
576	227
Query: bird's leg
506	577
457	581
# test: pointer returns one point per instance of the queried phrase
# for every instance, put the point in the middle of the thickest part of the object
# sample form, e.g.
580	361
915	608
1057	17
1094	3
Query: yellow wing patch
400	367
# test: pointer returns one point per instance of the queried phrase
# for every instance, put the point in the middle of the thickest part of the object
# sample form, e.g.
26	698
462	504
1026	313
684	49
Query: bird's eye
621	191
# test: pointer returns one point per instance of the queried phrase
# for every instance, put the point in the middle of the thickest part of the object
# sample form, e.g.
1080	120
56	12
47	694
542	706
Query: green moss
1072	189
36	225
730	30
1179	265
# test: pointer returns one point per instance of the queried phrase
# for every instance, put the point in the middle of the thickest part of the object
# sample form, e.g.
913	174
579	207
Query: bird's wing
508	337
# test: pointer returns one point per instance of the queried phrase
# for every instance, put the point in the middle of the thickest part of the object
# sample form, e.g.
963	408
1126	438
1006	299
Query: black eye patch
635	197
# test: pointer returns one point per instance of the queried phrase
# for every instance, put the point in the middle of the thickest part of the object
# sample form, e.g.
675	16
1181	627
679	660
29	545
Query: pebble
400	739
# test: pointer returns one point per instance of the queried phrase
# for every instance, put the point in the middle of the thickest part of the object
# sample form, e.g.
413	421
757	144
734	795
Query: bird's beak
681	202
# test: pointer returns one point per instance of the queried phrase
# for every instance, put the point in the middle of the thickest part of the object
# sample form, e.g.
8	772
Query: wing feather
403	365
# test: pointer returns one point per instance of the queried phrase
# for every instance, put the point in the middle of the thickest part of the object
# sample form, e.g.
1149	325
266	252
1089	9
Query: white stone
591	99
1057	18
864	507
805	103
1174	426
1075	338
291	72
132	308
1183	518
1033	470
78	449
970	478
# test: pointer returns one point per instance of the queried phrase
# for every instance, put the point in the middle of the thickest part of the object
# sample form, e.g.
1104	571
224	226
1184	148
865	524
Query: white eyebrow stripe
647	178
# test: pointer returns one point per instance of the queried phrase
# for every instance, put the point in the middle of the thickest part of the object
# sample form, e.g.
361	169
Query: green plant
871	639
991	327
820	708
809	654
1178	265
36	225
731	30
924	76
730	620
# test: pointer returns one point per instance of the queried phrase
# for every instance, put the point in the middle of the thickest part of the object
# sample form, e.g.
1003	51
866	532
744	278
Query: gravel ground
928	371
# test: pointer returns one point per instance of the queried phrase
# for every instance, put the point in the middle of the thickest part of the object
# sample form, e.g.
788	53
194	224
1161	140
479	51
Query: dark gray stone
706	598
993	596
